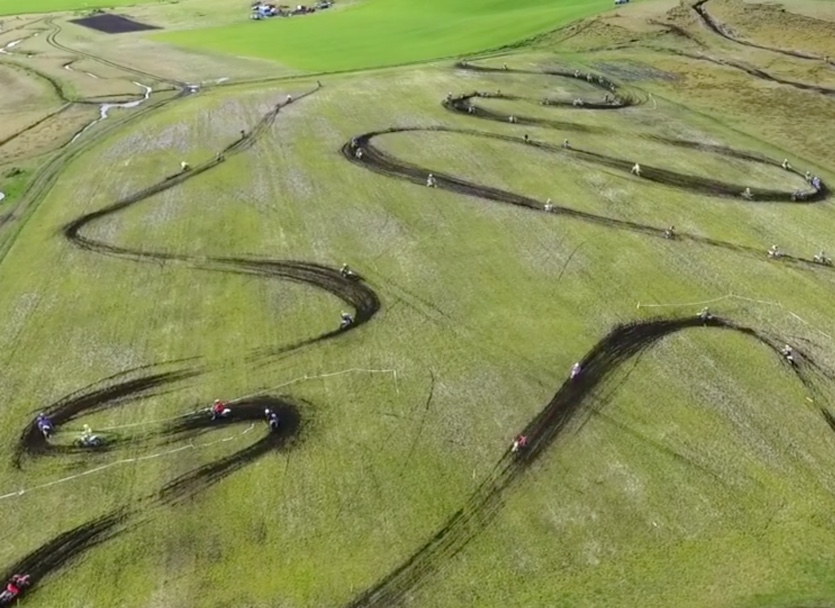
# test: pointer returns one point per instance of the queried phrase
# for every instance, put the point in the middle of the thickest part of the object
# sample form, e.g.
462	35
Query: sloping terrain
600	200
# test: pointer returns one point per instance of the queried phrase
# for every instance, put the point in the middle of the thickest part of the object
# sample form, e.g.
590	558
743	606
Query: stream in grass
105	108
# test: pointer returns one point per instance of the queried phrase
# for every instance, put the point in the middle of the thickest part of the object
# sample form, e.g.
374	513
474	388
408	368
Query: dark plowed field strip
113	24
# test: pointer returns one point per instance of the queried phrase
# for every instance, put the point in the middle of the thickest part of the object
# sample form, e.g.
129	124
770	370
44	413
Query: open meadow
377	33
599	195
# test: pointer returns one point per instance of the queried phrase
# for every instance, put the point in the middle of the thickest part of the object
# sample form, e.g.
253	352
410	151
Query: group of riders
86	439
18	582
747	194
773	252
220	410
346	319
521	441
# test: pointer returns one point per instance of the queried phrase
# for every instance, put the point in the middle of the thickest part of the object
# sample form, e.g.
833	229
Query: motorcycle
90	441
8	597
13	590
349	274
46	429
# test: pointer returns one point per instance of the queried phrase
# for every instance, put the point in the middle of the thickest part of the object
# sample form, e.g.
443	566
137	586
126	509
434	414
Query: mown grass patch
21	7
384	33
12	183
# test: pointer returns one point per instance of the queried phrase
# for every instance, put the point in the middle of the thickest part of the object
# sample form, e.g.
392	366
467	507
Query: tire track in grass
620	346
758	73
721	29
52	40
35	124
572	401
135	386
46	177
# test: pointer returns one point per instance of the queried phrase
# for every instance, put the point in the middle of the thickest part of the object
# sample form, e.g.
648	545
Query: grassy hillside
386	32
698	473
482	364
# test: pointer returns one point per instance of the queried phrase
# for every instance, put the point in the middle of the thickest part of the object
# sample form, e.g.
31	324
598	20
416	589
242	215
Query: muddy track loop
572	399
375	159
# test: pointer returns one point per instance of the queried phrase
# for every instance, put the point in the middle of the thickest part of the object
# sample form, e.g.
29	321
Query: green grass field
699	474
379	33
25	7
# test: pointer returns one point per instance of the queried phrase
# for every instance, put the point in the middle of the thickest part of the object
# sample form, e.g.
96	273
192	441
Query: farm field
380	33
172	233
28	7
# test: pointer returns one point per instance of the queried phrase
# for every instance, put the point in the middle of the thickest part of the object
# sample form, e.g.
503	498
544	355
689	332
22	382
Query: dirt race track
620	345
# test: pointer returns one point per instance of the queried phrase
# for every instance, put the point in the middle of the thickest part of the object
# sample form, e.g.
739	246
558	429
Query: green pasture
12	182
22	7
700	476
378	33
